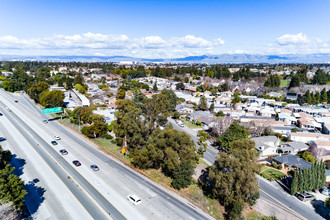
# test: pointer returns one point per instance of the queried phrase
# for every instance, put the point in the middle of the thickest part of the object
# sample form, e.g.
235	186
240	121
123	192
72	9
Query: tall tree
202	104
121	94
273	81
173	99
52	98
308	97
295	82
294	184
324	97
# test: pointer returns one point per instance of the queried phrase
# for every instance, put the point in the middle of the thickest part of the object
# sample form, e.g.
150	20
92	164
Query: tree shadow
320	208
18	163
35	196
284	185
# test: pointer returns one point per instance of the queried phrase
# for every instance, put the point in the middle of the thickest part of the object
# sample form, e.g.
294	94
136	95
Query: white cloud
97	43
288	39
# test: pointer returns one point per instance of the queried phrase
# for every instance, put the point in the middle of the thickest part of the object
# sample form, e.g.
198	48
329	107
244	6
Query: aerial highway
113	182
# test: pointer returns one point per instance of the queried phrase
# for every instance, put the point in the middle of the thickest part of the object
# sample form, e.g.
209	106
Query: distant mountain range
211	59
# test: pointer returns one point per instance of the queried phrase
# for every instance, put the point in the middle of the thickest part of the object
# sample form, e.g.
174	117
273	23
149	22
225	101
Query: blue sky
156	29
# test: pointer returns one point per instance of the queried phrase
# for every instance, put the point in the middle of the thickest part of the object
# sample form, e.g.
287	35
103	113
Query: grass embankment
111	148
271	174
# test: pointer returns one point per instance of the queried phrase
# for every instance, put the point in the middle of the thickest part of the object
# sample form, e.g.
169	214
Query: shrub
108	136
327	203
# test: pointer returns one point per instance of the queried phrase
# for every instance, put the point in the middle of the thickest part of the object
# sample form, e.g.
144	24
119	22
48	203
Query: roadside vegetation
12	192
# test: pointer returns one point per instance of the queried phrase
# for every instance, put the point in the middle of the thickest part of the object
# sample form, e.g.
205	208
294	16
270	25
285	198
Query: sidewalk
270	209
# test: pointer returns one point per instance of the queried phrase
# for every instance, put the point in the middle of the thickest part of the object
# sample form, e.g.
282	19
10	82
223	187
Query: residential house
266	145
293	147
185	108
289	161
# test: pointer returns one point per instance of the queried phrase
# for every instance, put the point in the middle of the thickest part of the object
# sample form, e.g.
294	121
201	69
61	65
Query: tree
327	203
97	129
180	86
233	133
11	187
320	78
121	94
182	176
202	104
324	97
186	80
52	98
129	124
308	97
156	111
68	83
138	97
317	97
273	81
202	139
8	86
5	157
173	99
294	184
295	82
232	178
155	88
166	149
308	157
221	124
80	88
36	89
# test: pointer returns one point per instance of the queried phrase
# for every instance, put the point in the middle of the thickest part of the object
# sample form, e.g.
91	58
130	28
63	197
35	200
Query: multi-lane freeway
102	194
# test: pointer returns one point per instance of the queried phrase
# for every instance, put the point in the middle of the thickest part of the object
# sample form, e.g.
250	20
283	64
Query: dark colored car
45	121
1	114
64	152
305	196
94	167
76	162
16	101
54	143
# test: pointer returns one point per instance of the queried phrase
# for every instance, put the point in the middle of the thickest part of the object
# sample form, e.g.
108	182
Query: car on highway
1	114
2	138
305	196
45	121
134	199
64	152
94	167
8	108
16	101
76	162
57	137
54	143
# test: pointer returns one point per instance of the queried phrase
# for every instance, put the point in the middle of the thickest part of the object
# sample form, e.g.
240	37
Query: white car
134	199
180	123
57	137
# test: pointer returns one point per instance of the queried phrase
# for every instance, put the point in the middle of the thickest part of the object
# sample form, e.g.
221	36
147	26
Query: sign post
51	110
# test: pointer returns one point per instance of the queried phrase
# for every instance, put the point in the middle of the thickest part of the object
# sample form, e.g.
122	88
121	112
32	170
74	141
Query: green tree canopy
202	104
52	98
273	81
173	99
233	133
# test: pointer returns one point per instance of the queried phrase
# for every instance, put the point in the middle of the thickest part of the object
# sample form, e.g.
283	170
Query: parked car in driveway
305	196
94	167
76	162
54	143
64	152
325	191
134	199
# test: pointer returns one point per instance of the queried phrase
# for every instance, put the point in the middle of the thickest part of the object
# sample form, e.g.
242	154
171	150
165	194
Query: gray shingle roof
291	160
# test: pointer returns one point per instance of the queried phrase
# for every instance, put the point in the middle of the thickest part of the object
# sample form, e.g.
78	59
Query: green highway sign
51	110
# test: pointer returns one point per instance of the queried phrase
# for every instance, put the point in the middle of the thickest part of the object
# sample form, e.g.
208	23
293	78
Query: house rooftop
291	160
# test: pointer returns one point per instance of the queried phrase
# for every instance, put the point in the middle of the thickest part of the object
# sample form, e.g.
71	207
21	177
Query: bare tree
221	124
8	211
318	152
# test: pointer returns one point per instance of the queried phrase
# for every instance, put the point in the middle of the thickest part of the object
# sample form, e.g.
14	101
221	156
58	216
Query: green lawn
191	125
284	83
271	174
